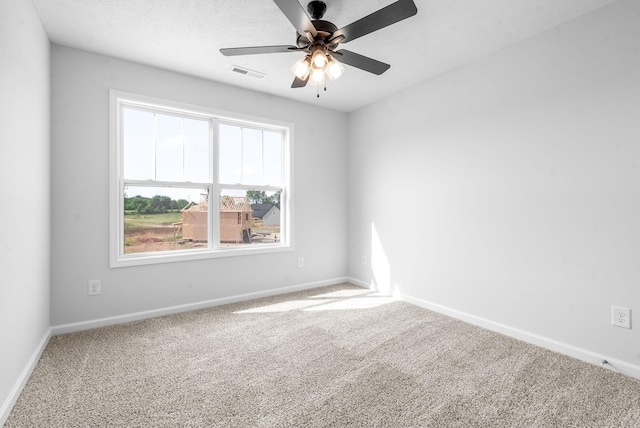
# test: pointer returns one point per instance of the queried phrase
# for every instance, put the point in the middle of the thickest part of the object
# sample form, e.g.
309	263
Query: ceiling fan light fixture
319	58
302	68
316	70
317	76
334	69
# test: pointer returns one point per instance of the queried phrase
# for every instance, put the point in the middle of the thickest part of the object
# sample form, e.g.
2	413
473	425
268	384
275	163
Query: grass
149	232
140	222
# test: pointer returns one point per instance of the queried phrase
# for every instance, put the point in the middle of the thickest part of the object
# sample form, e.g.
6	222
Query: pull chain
318	89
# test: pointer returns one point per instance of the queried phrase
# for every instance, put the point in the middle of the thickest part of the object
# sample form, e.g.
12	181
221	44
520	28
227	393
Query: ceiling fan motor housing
325	30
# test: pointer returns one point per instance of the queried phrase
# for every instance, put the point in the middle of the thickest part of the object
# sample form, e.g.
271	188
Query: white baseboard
359	283
119	319
8	404
534	339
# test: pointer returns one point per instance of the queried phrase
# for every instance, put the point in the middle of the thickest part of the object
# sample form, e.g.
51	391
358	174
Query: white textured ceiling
186	35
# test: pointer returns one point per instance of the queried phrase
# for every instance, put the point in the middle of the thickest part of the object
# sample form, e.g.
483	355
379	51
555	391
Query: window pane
249	217
251	156
137	134
164	219
230	153
196	150
273	155
169	143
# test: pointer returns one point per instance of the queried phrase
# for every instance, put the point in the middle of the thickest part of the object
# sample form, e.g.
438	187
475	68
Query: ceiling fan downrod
316	9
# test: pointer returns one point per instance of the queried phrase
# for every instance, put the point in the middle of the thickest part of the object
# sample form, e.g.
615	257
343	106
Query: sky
165	147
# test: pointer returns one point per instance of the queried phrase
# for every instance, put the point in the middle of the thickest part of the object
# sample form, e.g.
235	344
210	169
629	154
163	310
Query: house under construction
235	220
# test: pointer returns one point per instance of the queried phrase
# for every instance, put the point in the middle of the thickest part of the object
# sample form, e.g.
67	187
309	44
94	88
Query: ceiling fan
319	39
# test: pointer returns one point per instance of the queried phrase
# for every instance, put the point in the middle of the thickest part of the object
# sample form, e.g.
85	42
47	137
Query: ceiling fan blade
299	83
253	50
362	62
297	16
384	17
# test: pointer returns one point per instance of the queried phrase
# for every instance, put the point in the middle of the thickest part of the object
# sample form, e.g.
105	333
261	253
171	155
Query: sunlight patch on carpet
316	304
342	293
355	303
291	305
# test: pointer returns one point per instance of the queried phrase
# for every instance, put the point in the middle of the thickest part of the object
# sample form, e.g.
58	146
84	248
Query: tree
256	196
155	205
179	204
273	199
260	197
137	203
159	204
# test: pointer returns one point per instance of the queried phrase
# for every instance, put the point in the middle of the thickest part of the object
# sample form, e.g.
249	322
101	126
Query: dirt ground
165	239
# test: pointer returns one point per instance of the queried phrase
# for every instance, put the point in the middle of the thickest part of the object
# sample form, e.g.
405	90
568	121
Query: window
171	163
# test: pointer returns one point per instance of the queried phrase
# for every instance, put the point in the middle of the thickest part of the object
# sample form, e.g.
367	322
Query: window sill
142	259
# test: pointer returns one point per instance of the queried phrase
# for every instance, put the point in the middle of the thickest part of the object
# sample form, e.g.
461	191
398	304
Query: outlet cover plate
620	316
93	287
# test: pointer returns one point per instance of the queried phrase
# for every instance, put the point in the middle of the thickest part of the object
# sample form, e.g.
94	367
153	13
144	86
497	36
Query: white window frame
117	258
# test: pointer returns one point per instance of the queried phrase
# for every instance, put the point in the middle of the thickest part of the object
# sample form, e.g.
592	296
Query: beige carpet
331	357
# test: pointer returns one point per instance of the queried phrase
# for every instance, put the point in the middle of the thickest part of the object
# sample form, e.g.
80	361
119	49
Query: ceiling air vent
247	72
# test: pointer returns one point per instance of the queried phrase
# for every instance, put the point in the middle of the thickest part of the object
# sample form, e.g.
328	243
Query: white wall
80	236
24	192
509	189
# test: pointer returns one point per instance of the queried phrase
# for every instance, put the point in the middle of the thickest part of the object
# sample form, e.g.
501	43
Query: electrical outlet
364	260
93	287
300	262
620	316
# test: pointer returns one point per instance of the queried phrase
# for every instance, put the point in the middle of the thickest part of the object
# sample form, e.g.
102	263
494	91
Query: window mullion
214	189
154	144
150	183
119	205
241	155
267	188
184	176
